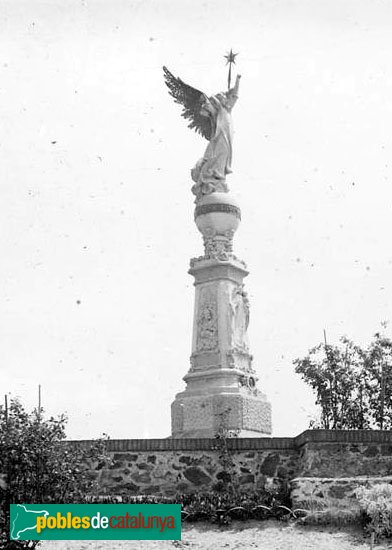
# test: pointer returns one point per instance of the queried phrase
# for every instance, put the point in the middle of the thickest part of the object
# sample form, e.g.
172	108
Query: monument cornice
212	270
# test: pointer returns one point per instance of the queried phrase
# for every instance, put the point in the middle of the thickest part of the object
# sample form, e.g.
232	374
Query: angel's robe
211	170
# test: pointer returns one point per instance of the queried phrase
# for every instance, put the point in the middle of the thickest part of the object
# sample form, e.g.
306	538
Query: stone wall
328	453
166	467
318	494
321	465
333	464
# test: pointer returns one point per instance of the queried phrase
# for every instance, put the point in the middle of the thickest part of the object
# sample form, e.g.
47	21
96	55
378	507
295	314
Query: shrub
376	505
217	507
38	467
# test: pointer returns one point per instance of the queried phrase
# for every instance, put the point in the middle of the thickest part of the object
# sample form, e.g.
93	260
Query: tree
379	369
353	385
38	466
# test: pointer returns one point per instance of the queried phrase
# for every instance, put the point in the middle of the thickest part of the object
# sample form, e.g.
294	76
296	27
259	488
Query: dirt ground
252	535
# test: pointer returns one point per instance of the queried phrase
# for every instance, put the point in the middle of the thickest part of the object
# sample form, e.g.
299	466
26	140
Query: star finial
230	57
230	60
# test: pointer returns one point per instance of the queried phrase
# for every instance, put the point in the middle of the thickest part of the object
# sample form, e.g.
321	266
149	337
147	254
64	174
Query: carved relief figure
239	316
207	324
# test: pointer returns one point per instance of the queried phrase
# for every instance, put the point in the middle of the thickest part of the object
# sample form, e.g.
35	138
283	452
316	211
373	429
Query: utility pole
7	461
6	409
39	401
382	397
325	340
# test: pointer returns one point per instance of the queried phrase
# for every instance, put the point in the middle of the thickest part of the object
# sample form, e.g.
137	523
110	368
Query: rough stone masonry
320	467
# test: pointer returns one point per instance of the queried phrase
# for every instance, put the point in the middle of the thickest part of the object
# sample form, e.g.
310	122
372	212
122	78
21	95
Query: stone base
333	494
196	416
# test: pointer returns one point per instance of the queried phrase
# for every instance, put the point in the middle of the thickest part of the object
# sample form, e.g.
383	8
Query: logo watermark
95	522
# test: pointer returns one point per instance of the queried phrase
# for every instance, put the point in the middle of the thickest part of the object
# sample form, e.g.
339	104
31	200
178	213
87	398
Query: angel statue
211	117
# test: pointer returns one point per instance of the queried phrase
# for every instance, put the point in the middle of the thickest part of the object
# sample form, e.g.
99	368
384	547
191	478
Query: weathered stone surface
117	479
131	487
183	487
319	493
372	450
152	490
199	470
169	491
343	460
125	457
144	466
386	450
283	472
339	490
223	476
196	476
115	465
247	478
261	482
169	472
141	478
269	465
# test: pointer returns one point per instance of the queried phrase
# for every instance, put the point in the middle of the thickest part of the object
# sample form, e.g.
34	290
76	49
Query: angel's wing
192	101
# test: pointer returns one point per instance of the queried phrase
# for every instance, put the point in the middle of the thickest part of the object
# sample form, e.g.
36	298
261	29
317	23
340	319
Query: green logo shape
95	522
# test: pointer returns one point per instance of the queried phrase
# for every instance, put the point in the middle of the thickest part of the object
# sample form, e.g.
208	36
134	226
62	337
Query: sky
96	212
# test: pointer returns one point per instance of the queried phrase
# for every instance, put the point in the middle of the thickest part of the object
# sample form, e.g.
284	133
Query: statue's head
231	98
227	99
223	99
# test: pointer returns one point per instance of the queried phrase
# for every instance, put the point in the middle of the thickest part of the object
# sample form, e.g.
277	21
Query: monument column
221	384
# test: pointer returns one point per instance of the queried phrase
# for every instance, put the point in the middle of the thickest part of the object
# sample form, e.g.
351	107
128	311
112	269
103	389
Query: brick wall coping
247	444
344	436
205	444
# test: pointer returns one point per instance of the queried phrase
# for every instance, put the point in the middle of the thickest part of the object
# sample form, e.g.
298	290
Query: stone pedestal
221	384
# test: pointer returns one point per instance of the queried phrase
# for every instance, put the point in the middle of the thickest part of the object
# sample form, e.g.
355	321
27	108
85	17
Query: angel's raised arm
232	94
236	85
